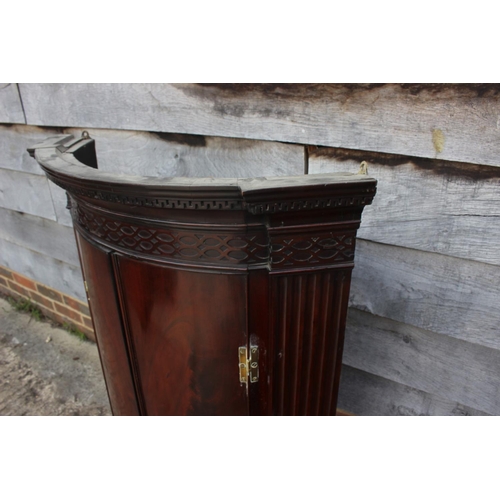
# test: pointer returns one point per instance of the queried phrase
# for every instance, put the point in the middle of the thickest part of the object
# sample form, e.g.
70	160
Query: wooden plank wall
454	122
423	335
11	108
35	227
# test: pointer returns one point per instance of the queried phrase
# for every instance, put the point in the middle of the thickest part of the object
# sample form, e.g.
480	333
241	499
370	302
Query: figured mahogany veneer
183	273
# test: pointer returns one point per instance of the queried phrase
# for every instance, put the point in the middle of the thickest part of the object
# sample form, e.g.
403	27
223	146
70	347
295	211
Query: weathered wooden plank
453	122
181	155
446	367
38	234
14	141
26	193
365	394
47	270
11	110
451	296
160	154
154	154
60	201
166	155
432	205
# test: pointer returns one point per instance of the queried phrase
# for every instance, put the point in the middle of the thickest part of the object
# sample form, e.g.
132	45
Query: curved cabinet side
104	306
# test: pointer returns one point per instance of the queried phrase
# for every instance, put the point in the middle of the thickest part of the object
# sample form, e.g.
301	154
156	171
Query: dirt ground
44	370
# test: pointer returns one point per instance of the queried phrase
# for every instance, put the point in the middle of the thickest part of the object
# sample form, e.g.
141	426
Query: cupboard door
186	328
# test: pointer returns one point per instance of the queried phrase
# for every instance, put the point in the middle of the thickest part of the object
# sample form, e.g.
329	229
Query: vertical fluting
308	344
296	341
321	345
282	337
334	340
307	325
342	302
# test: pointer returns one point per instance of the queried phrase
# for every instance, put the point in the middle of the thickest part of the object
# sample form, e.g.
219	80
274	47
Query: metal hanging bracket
363	168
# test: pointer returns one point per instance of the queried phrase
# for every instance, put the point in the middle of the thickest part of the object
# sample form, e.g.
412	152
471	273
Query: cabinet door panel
186	329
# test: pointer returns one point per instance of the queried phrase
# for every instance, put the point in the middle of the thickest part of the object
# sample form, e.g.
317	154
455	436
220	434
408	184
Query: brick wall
59	307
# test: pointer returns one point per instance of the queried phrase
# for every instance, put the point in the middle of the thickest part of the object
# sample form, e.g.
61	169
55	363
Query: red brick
38	299
3	282
76	305
19	289
48	292
87	322
10	293
5	272
57	317
26	282
69	313
88	332
65	322
5	290
48	313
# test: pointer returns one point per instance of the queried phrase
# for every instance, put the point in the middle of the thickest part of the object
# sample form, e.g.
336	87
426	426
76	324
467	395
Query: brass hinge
249	367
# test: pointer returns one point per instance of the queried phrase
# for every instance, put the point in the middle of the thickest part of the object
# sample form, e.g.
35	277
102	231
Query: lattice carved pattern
230	248
325	248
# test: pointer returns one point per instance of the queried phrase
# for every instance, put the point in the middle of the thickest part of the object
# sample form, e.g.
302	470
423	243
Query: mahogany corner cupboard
213	296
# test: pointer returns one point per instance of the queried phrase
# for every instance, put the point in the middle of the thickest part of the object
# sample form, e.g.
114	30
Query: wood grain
11	110
185	338
308	315
156	155
431	205
365	394
40	235
454	297
60	202
180	155
433	363
47	270
453	122
160	154
26	193
14	141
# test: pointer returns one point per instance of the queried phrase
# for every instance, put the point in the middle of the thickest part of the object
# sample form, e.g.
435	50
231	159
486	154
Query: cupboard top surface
71	163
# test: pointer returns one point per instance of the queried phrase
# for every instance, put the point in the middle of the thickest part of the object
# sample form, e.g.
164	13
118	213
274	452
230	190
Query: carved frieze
253	248
199	245
319	249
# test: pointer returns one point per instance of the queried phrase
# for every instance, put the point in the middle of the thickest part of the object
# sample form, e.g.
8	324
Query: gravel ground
44	370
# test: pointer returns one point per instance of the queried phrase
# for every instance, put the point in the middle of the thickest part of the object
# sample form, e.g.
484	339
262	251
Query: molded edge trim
58	158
